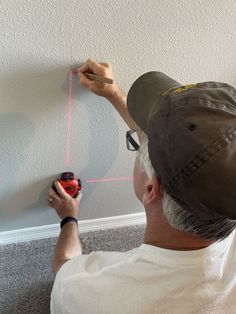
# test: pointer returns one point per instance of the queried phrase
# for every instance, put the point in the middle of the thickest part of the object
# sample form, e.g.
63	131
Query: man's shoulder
95	262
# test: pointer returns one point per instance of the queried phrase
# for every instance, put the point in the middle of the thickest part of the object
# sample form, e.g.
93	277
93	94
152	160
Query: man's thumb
60	190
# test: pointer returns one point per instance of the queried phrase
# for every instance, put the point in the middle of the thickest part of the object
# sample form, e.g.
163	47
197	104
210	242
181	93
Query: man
185	176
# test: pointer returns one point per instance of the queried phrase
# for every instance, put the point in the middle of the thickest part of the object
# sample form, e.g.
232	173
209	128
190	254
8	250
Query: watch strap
68	218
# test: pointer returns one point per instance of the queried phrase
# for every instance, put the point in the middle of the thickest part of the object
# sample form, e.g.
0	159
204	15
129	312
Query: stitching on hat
201	158
218	85
201	101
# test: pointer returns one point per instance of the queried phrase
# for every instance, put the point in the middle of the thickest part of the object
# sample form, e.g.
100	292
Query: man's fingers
91	66
84	68
60	190
50	204
106	65
88	66
93	86
52	198
84	81
52	194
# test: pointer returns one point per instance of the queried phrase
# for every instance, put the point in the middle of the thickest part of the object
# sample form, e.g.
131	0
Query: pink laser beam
69	109
109	179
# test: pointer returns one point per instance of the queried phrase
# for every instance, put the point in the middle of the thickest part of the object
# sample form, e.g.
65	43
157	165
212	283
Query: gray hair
215	229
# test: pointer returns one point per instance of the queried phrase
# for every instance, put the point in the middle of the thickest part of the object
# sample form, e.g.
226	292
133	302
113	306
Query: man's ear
153	191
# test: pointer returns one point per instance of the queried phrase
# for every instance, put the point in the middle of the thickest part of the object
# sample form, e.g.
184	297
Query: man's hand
109	91
63	203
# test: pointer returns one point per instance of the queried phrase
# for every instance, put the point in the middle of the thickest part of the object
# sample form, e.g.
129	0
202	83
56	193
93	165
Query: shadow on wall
37	190
17	131
25	89
33	87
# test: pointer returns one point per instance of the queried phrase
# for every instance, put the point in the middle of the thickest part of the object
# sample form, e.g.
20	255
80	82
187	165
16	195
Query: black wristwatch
68	218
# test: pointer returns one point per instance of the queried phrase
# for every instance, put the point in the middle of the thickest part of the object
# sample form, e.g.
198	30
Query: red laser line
69	109
109	179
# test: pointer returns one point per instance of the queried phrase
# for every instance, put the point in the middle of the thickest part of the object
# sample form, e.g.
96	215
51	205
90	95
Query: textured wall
189	40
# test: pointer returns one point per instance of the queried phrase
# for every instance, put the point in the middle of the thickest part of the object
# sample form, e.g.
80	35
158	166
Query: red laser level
70	184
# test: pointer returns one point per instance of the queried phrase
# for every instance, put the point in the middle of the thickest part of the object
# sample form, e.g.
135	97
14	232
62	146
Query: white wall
191	41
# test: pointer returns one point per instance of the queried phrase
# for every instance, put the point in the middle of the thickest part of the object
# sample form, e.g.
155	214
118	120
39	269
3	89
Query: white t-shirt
149	280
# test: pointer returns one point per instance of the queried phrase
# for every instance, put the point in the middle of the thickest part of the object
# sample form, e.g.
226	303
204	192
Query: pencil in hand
96	77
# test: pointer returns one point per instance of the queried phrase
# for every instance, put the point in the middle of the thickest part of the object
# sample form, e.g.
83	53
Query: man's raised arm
110	91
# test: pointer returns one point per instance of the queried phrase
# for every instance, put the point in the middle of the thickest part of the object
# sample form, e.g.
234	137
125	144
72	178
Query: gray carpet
26	277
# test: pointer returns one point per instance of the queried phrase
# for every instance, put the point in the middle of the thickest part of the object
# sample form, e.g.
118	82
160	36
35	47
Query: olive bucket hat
191	132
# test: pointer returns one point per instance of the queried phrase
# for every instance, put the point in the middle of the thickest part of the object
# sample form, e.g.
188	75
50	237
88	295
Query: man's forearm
119	103
68	244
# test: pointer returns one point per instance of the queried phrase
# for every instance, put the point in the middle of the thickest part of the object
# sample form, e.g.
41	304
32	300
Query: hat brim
146	93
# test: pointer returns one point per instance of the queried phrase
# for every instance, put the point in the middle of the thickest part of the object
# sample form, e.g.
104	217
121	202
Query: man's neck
159	233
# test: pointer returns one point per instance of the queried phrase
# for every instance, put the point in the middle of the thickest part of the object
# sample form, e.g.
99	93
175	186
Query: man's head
191	143
151	193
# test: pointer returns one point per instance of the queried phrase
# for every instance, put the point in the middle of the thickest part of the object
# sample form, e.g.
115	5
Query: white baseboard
51	231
